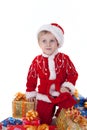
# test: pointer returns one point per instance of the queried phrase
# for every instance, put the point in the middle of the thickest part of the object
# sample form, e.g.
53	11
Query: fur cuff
31	94
43	97
53	92
69	85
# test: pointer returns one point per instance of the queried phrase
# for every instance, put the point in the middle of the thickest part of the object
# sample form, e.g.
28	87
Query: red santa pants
47	110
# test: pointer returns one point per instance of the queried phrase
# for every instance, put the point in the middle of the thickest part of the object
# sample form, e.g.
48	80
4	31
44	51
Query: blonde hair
42	33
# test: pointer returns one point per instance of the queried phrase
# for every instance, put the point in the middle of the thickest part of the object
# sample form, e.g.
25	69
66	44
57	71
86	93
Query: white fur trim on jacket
69	85
53	92
43	97
31	94
51	67
51	64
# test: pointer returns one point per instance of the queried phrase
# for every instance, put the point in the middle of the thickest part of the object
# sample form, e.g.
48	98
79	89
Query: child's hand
31	99
65	89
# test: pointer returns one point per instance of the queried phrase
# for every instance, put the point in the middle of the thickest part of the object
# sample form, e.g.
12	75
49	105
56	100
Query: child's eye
44	41
52	40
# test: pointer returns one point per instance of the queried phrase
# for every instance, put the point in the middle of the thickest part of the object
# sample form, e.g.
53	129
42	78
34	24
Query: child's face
48	43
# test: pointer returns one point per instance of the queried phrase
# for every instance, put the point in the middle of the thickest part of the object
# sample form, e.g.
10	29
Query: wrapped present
33	122
43	127
20	106
81	104
31	127
16	127
71	119
40	127
31	118
0	126
47	127
11	121
53	127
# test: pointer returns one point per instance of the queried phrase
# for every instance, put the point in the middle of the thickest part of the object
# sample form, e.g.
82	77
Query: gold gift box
20	105
20	108
64	122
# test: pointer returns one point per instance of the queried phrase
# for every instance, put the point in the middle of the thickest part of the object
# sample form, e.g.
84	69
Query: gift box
43	127
20	106
33	122
11	121
31	118
31	127
71	119
16	127
40	127
81	105
0	126
46	127
53	127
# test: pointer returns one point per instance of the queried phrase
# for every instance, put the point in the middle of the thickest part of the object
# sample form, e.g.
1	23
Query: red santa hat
56	30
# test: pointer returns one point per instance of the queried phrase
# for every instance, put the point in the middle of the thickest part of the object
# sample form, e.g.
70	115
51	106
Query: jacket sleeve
32	80
71	75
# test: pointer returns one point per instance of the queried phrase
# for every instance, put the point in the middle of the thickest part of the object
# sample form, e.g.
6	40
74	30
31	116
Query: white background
19	23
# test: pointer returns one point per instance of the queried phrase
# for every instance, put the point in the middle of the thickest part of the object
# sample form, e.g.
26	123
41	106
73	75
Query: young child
56	73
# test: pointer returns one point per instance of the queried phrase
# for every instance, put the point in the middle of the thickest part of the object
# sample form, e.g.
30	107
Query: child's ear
58	44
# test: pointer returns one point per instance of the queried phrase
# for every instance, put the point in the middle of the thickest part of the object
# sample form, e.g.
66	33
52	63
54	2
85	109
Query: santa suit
54	72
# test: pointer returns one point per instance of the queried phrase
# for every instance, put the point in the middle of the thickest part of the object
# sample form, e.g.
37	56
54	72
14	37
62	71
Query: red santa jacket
53	72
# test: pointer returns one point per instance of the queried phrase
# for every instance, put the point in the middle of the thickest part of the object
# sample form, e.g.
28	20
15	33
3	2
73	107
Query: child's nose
48	43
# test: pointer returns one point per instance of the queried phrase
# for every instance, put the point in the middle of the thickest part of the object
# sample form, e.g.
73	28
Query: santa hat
56	30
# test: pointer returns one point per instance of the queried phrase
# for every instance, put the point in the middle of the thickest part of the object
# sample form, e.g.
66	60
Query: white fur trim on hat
31	94
69	85
55	30
43	97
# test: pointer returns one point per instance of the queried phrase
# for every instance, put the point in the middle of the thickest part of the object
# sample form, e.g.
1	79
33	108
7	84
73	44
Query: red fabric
0	126
14	127
63	97
53	127
46	112
55	24
65	72
32	122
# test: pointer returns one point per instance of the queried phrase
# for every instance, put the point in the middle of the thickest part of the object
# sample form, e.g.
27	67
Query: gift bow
40	127
43	127
31	115
20	97
75	115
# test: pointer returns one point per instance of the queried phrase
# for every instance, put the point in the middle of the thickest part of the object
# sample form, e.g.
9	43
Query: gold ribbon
20	97
75	116
40	127
31	115
43	127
